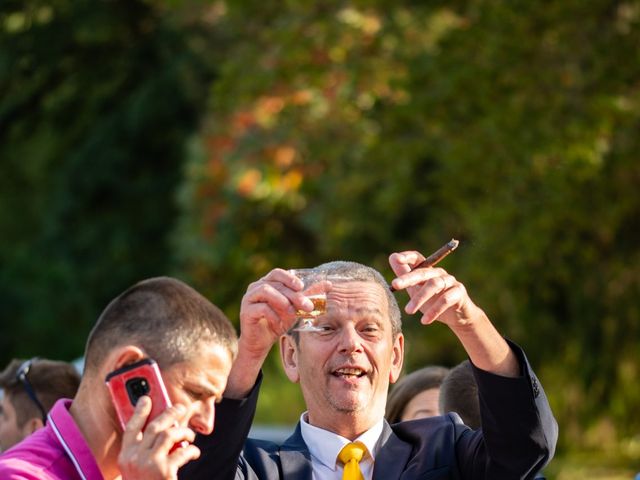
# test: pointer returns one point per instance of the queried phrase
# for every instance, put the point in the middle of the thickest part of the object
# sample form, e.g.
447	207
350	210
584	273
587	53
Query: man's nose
203	418
349	339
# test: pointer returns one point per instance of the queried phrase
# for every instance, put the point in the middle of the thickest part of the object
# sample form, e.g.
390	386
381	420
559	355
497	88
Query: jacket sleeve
519	432
220	451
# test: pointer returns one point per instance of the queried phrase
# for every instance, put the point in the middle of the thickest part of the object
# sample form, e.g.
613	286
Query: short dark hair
358	272
163	316
411	385
459	393
50	380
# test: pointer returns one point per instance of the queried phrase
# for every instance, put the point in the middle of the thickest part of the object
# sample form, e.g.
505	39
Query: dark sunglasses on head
21	376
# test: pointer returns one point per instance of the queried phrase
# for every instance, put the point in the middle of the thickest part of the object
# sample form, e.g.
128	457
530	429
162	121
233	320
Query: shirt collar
72	441
325	445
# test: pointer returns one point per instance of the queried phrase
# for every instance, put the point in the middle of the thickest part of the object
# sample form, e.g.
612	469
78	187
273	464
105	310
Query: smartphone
129	383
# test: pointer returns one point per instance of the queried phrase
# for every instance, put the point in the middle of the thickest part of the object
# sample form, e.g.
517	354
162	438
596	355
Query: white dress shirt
324	447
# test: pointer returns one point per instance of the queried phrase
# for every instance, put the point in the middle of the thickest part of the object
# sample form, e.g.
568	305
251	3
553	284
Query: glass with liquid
317	283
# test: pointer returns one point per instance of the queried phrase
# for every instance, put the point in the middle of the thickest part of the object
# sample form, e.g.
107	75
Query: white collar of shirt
324	447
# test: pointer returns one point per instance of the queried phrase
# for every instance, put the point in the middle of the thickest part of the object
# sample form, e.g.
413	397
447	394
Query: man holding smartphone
160	322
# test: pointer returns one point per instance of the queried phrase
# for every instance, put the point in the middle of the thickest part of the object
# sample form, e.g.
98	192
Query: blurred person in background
30	388
416	395
193	344
459	393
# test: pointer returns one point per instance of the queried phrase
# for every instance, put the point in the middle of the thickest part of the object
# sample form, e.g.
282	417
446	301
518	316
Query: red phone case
128	383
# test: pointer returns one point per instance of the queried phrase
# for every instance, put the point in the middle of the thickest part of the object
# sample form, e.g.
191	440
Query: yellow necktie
350	455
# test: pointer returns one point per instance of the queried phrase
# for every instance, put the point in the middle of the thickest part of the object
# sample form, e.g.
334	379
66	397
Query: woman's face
423	405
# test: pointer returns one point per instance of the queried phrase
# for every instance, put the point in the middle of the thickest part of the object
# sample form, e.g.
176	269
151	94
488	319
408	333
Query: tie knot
352	451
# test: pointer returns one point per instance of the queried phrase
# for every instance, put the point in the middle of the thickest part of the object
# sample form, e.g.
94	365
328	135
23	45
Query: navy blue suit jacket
517	440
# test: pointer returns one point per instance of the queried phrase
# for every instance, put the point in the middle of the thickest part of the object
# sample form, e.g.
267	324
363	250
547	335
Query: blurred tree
355	129
334	130
98	98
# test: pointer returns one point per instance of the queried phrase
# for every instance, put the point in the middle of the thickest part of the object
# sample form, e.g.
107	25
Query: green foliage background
215	141
97	101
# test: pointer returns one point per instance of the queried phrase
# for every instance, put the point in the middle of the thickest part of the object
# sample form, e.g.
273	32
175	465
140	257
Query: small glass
316	285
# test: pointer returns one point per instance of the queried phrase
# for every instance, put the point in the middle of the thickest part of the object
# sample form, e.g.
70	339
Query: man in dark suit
344	371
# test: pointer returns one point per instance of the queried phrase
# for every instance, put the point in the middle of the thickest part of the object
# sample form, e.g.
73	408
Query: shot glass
317	283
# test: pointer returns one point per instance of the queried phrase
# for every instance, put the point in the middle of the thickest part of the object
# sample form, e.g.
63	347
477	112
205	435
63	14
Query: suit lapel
392	457
295	458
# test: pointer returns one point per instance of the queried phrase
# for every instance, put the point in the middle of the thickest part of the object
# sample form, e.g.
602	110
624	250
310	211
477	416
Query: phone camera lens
137	387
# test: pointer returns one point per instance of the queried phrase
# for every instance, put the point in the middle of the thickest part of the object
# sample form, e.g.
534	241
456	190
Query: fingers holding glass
272	302
317	283
314	289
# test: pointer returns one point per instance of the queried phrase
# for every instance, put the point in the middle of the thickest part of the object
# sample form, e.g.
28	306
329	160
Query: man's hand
435	293
440	297
150	455
267	311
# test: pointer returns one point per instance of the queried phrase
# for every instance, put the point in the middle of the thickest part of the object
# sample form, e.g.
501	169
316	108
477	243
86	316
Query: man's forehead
212	361
211	346
358	297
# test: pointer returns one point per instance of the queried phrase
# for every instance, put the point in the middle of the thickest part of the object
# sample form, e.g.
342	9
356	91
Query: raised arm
440	297
519	434
267	311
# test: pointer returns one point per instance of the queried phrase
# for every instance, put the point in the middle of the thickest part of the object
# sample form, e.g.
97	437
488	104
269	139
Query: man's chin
349	405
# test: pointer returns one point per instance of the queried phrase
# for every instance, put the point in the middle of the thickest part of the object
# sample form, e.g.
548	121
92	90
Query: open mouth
349	373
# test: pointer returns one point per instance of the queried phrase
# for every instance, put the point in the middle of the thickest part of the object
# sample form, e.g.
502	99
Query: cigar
436	256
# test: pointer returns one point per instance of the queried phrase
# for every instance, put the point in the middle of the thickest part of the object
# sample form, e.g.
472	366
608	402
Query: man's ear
122	356
289	357
398	358
31	425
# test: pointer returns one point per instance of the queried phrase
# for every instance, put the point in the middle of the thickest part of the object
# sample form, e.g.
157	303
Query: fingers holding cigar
432	291
435	286
435	293
411	267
